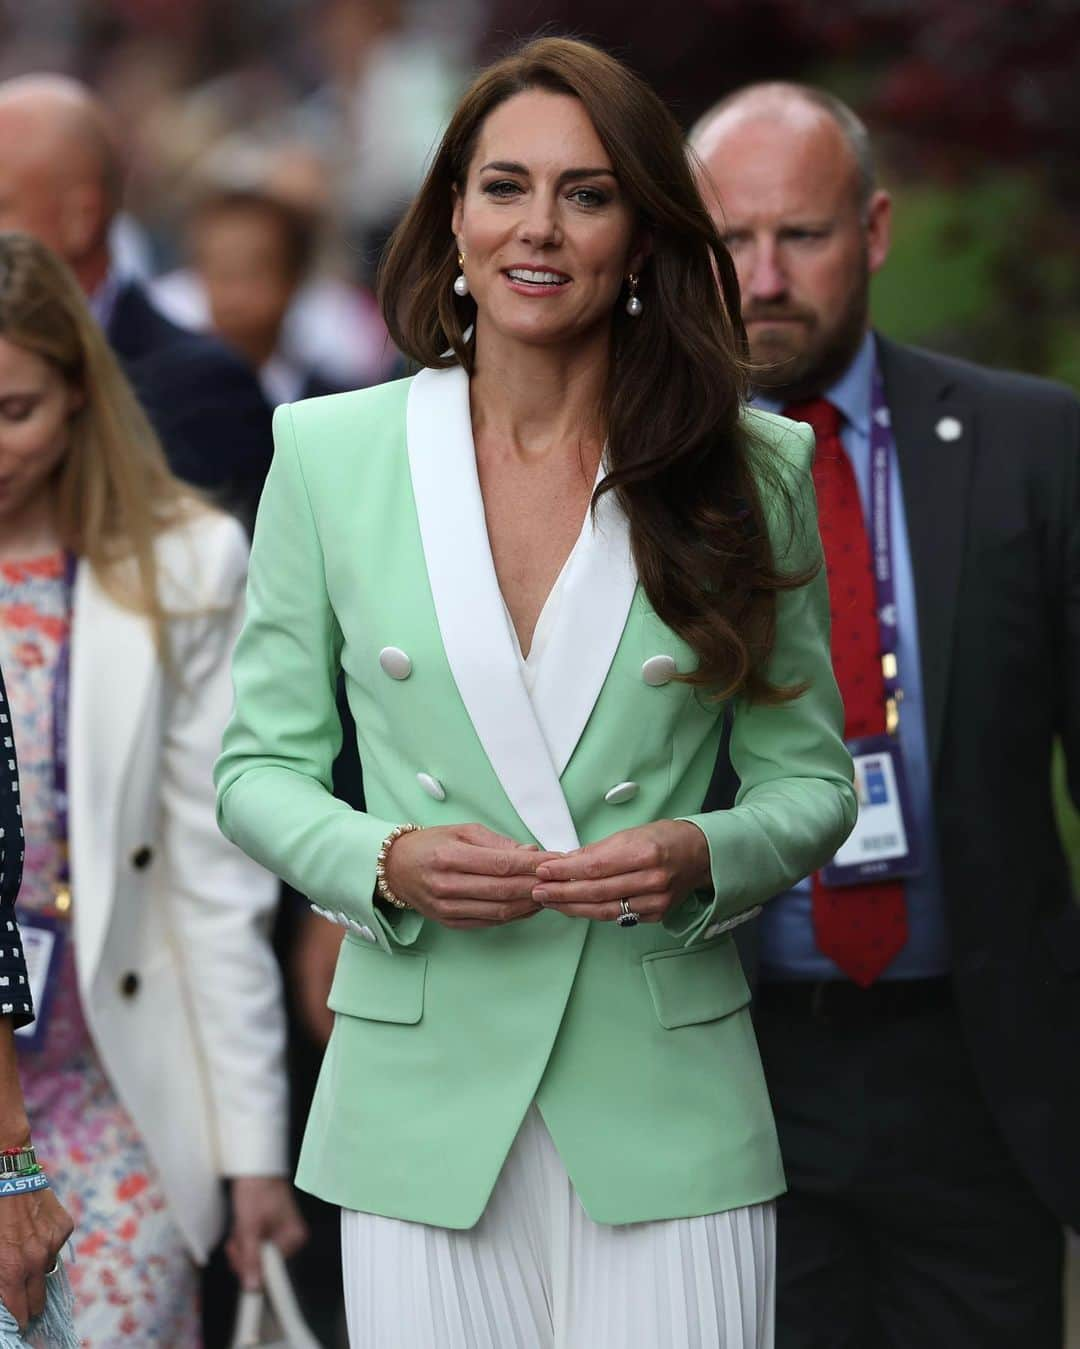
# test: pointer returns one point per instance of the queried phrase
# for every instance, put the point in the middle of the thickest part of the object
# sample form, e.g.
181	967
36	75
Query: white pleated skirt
537	1273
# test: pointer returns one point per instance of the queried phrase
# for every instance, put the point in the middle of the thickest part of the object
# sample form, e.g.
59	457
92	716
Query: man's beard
791	364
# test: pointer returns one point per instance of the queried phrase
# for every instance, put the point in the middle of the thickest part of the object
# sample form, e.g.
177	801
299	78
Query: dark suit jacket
205	402
994	524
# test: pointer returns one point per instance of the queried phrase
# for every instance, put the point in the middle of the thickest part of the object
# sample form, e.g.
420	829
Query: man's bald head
788	176
59	175
797	104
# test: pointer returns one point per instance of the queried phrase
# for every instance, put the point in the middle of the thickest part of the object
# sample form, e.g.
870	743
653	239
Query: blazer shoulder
326	433
202	561
777	443
782	457
356	410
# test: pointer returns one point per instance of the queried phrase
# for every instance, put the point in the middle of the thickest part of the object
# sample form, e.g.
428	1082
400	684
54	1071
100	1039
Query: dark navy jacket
204	401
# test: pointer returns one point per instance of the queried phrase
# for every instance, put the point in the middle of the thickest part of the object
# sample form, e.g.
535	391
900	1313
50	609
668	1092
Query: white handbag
271	1319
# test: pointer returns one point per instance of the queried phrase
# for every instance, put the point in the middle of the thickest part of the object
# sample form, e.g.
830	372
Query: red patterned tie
861	927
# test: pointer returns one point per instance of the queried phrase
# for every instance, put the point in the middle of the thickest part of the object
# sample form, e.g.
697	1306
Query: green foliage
984	268
947	246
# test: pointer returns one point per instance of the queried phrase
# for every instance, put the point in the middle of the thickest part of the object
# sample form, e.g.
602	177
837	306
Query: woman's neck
540	400
32	531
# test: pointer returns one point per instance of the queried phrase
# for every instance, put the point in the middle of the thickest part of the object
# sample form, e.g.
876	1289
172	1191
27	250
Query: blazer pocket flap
378	987
696	983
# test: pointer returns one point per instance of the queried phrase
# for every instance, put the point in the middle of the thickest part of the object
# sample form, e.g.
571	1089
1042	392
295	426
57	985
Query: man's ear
83	217
878	230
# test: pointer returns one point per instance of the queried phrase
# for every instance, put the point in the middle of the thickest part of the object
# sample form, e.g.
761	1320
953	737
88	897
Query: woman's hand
33	1229
652	868
263	1209
34	1226
465	876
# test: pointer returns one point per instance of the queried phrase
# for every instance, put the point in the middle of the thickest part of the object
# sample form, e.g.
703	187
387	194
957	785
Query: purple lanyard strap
881	474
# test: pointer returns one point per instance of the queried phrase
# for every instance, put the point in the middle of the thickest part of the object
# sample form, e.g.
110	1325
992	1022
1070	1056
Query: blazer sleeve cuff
708	913
254	1155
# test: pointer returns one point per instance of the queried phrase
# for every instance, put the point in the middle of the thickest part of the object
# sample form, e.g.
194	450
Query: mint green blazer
371	556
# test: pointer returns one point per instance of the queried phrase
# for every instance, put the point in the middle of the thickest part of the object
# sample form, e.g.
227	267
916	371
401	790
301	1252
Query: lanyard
882	457
61	691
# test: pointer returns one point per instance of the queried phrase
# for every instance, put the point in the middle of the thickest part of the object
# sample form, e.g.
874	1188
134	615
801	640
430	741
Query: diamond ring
627	917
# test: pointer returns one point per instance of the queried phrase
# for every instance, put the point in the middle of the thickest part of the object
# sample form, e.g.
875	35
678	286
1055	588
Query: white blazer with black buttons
178	981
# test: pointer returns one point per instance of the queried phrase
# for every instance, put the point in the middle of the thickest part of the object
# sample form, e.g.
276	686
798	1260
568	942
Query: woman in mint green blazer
542	1110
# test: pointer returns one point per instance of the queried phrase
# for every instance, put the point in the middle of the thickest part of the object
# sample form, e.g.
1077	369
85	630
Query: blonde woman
155	1067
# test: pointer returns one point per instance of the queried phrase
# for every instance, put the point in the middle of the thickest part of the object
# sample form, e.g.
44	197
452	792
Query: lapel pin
949	428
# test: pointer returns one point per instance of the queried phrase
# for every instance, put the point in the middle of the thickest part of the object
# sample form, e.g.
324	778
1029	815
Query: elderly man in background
918	1004
60	180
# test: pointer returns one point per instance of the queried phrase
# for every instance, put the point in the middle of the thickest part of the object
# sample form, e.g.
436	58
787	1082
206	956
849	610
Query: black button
142	857
129	984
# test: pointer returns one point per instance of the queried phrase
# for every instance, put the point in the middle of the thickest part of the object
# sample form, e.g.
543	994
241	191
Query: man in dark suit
60	180
920	1027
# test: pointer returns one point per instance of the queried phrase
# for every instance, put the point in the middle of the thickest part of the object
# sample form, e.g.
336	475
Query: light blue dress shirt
788	948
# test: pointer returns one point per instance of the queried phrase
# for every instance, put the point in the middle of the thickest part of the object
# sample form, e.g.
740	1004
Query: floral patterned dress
134	1280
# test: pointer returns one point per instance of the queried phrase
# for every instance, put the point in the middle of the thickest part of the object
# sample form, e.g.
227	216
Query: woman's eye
588	196
503	187
16	409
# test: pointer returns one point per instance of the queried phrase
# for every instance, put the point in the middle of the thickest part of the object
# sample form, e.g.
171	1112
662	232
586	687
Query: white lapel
472	619
112	665
597	591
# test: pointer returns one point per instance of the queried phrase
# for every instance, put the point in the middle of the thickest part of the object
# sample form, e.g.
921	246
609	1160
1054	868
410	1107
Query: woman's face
546	231
36	404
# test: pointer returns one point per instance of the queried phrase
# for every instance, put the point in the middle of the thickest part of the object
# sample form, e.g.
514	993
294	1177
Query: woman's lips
536	280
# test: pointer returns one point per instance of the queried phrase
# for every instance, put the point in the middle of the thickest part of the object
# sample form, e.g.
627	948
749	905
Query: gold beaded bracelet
381	888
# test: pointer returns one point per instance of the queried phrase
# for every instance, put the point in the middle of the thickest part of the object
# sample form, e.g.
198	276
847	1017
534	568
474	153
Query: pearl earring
633	305
461	282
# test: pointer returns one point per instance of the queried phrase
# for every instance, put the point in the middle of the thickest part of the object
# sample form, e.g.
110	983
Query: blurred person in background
261	233
155	1068
390	87
510	1017
919	1032
60	180
251	252
252	283
33	1226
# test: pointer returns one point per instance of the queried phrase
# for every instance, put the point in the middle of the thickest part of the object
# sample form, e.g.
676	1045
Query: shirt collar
281	380
850	394
103	301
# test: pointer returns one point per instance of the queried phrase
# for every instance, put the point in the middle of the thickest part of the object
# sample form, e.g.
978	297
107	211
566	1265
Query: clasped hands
467	876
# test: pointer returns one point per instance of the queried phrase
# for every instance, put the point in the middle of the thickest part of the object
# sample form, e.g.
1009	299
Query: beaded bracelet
382	889
25	1184
16	1161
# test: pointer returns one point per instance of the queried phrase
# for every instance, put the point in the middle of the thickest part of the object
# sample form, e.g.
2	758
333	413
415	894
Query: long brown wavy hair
115	492
682	461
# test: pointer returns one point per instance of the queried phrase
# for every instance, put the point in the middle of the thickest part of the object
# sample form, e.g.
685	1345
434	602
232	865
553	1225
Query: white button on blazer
395	662
659	670
432	786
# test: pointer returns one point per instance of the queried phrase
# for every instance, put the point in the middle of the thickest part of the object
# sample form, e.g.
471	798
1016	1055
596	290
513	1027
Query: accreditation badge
43	943
884	845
